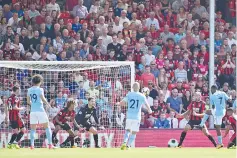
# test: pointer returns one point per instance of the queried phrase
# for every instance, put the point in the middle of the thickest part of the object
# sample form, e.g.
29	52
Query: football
145	91
172	143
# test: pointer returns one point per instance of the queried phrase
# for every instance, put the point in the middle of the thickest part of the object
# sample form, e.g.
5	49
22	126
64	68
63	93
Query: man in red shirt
231	123
13	107
147	76
61	122
196	111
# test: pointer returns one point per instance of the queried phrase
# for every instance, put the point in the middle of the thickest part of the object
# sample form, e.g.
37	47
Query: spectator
162	122
53	111
53	6
41	18
166	34
105	38
104	120
117	47
60	100
183	122
173	121
198	8
123	19
80	10
186	100
152	21
231	39
33	12
149	57
227	71
145	123
180	73
174	102
6	12
147	76
92	91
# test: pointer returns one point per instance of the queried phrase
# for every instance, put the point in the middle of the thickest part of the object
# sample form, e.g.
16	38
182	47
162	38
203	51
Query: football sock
49	135
96	139
131	139
212	140
126	136
32	137
72	140
19	136
182	137
234	141
67	140
204	119
14	136
219	139
54	135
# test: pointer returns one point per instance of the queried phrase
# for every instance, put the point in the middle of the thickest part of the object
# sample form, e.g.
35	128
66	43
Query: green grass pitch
117	153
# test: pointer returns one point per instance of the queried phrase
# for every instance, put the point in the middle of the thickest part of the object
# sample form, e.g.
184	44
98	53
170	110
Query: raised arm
45	101
148	106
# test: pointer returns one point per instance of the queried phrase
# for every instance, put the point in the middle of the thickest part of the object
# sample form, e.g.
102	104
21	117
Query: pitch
117	153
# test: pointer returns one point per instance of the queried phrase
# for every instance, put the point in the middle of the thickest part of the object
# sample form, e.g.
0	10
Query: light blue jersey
134	101
234	104
36	103
219	100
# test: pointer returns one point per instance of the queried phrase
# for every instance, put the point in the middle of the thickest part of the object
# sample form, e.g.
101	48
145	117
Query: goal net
108	82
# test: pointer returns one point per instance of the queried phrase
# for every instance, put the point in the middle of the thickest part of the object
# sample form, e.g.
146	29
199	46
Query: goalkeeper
61	121
82	120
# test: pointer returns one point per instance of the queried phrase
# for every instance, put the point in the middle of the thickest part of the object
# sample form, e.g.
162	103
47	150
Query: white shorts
38	118
132	125
217	119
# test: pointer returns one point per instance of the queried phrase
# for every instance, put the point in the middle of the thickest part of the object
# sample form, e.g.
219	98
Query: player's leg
20	134
43	120
131	139
14	135
33	125
54	134
218	122
95	135
205	117
209	136
184	133
32	135
134	128
127	133
232	142
71	136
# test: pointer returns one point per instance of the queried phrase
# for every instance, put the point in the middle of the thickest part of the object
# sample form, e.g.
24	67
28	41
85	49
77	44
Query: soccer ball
172	143
145	91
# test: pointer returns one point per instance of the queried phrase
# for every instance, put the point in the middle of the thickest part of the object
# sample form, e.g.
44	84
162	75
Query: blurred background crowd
167	39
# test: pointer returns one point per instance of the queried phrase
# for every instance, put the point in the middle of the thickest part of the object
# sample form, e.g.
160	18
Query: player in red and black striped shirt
13	106
231	124
195	110
61	122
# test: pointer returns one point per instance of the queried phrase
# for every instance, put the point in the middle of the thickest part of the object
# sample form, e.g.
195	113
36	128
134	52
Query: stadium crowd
167	39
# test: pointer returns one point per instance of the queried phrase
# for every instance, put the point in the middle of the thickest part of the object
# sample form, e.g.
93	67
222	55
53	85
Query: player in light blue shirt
134	101
35	98
234	105
218	102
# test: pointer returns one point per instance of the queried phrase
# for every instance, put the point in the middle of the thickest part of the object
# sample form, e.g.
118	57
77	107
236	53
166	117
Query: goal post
107	81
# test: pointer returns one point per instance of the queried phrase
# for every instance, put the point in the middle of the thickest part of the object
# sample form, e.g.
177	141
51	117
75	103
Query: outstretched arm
186	113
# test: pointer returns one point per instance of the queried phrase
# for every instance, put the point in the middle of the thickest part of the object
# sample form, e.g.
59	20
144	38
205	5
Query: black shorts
86	125
17	124
193	122
65	126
